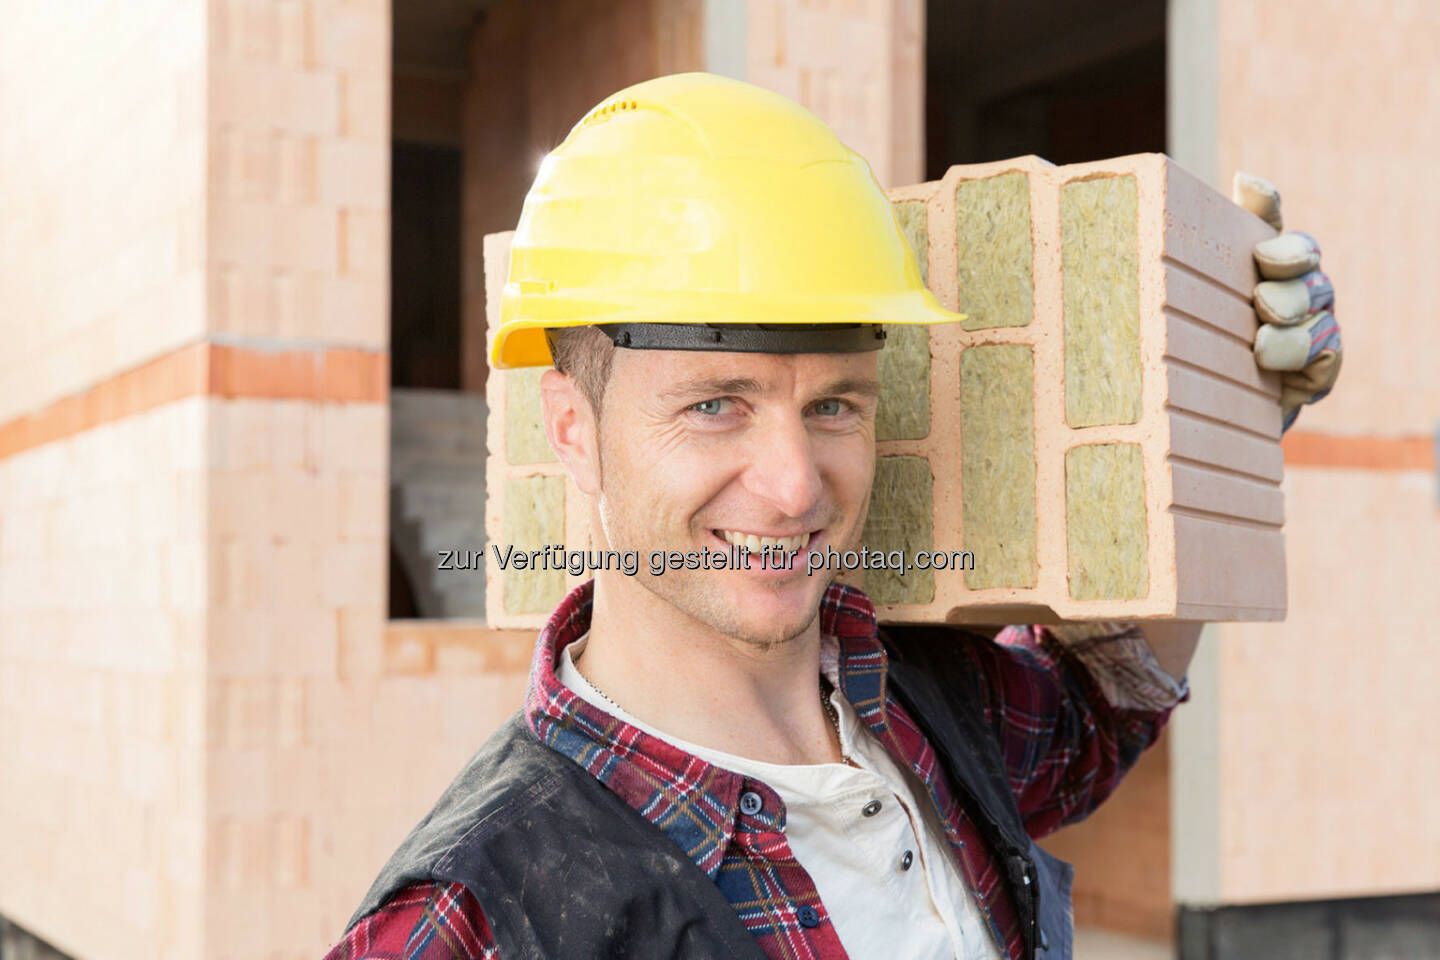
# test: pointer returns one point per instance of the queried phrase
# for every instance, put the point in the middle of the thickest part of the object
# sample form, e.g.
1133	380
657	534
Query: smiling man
737	762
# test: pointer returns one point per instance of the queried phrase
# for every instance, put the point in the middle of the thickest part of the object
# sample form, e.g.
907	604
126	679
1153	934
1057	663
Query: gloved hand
1298	335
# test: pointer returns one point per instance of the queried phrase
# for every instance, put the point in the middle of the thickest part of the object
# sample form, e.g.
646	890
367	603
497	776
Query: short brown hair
584	353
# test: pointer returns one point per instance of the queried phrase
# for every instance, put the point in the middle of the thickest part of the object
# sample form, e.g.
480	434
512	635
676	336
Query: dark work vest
563	868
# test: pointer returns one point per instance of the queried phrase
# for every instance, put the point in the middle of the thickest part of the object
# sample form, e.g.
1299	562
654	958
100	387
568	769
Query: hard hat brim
520	340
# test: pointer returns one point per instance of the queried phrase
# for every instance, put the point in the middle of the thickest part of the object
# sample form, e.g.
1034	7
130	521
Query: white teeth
755	544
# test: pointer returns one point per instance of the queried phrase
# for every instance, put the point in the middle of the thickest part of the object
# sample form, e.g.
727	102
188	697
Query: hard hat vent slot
605	111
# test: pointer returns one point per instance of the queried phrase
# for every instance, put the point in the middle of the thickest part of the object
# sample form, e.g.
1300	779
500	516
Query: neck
703	686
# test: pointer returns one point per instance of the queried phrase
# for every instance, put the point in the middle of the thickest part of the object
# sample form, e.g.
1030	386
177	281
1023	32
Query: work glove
1298	336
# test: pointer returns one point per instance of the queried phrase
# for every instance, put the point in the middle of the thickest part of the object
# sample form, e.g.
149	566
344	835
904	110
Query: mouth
756	542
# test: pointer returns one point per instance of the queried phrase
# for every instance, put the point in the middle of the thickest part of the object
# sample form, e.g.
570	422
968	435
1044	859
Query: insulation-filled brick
1100	439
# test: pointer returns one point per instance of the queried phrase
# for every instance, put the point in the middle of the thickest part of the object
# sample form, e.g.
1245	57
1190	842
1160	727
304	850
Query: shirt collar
694	802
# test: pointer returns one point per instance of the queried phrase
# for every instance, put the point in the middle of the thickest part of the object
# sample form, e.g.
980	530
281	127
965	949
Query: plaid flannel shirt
1070	718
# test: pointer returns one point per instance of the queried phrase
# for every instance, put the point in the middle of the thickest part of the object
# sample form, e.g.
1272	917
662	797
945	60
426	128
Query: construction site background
242	316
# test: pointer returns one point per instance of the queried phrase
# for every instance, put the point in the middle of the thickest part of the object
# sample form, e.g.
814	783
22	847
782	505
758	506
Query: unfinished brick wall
1095	433
86	295
102	690
102	587
192	476
1305	767
857	66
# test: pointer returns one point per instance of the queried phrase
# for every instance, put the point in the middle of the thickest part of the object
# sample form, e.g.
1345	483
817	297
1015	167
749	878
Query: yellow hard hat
687	209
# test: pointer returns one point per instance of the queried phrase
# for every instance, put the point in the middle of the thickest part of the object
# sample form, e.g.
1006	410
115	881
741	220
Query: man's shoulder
424	921
507	768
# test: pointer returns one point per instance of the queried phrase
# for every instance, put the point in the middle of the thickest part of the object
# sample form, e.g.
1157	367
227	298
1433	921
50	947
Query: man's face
699	451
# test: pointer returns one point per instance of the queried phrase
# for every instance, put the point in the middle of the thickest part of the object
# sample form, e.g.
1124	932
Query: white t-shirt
880	907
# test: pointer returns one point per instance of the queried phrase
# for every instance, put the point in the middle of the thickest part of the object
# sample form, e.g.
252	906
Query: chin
769	614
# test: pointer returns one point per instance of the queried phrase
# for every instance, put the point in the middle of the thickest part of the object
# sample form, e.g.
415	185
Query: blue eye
830	407
711	408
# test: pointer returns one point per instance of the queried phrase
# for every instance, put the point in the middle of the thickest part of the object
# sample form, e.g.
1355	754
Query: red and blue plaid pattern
1064	745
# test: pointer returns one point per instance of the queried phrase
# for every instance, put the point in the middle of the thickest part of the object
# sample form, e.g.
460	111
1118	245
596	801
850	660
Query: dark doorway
425	266
1068	82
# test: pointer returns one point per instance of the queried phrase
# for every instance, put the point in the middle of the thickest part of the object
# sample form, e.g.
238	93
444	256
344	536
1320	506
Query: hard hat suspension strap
748	337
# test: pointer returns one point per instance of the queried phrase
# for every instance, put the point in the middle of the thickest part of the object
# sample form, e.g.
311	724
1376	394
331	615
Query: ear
571	429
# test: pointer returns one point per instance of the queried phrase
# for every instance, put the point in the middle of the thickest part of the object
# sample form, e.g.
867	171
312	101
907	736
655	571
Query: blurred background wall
241	362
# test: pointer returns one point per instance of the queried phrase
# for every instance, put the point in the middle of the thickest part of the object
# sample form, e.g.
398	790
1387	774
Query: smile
757	543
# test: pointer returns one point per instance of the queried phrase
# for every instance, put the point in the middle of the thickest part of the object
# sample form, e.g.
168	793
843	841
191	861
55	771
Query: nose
783	470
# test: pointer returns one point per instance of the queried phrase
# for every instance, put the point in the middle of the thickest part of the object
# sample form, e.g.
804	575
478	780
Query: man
736	763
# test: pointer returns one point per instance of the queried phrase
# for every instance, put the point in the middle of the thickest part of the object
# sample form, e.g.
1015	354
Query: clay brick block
362	107
1096	435
353	173
296	33
1100	437
363	247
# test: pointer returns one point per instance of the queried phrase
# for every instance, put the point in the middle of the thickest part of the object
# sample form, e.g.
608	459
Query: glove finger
1310	384
1292	348
1317	378
1259	196
1287	256
1288	302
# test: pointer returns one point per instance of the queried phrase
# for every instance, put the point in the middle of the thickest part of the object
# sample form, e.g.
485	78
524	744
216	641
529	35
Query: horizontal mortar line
1217	517
271	344
1306	448
1222	424
1228	381
205	368
1206	278
1221	469
1206	324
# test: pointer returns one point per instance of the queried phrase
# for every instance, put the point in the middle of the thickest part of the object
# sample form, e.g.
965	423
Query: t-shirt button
750	803
906	860
808	917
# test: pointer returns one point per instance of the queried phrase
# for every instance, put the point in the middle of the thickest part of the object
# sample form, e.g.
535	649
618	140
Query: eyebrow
864	386
712	386
739	386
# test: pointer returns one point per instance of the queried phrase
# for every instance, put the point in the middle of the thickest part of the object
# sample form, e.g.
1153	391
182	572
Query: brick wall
86	296
102	584
102	686
192	474
1302	766
297	264
859	66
